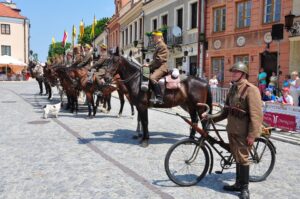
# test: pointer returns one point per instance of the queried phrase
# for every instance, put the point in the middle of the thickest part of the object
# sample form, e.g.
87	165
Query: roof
6	11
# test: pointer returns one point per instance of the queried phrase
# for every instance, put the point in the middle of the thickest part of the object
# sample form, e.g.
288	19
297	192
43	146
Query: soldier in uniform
243	110
88	57
99	65
158	66
69	58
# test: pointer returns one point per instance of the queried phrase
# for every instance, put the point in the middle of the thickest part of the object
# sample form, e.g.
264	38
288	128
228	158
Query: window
123	39
194	15
218	68
135	30
154	24
130	34
5	50
126	36
5	29
179	17
243	14
219	19
242	58
141	28
272	10
164	20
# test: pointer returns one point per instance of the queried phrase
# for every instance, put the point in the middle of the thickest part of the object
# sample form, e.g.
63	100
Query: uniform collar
241	82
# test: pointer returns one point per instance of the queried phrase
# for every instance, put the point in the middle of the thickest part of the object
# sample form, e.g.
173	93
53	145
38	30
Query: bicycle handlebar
206	114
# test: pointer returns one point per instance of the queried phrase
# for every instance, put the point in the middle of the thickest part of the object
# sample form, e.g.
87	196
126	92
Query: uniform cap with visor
239	66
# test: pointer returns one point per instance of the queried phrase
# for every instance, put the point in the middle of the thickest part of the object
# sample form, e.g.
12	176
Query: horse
192	91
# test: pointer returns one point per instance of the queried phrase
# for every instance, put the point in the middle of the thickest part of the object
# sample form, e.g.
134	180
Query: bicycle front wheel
186	162
262	160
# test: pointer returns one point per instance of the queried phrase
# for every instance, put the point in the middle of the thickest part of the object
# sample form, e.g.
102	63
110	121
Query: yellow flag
81	28
73	35
53	42
93	28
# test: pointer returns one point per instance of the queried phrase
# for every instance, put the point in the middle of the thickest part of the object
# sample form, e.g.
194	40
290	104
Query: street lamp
290	26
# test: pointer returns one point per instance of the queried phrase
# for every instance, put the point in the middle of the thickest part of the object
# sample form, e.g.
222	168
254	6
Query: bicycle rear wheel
186	162
262	160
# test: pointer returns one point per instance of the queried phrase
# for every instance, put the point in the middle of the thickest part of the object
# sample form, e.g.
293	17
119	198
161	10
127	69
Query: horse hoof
144	143
119	115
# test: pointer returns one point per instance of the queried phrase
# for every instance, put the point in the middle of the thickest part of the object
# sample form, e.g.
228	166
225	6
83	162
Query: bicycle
188	160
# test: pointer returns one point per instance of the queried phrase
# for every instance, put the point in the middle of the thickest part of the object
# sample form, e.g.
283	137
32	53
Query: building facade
179	21
132	29
14	35
294	38
240	30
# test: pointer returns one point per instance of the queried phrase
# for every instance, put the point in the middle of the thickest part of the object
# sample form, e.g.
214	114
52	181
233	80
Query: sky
49	18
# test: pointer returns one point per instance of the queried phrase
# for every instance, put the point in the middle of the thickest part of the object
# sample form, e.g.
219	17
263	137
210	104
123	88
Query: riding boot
244	179
158	95
237	185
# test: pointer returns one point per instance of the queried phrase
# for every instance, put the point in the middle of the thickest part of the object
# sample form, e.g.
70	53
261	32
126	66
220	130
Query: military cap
239	66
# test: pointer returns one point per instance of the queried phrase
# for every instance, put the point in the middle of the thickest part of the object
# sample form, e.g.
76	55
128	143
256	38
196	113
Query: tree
99	28
57	49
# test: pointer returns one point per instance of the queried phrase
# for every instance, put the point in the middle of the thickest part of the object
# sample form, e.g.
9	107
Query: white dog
51	109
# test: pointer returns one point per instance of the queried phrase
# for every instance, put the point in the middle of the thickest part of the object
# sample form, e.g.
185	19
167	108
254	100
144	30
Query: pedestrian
243	110
213	82
268	96
295	87
273	82
286	81
262	76
286	98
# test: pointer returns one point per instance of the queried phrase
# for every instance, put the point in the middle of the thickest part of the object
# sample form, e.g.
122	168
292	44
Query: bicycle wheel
262	160
186	162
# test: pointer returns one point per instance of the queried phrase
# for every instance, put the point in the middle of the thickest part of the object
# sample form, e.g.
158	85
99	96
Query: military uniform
159	63
243	110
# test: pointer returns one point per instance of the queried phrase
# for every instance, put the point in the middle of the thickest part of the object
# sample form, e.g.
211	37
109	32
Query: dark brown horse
192	91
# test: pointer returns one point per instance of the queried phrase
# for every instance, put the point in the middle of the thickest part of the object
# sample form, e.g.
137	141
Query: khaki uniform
159	62
87	61
242	124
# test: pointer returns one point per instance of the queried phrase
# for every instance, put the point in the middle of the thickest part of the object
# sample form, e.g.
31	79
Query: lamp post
290	25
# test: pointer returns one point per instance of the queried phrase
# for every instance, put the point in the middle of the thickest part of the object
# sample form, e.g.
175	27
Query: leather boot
237	185
244	179
158	95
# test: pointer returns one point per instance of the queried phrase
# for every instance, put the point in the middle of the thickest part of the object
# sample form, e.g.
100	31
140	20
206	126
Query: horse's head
50	74
113	65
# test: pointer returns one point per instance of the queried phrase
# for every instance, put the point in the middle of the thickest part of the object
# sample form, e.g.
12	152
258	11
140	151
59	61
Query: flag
53	42
81	28
65	38
73	35
93	28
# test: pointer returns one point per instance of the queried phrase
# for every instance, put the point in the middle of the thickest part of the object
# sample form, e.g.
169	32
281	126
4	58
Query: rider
88	57
243	110
158	66
100	63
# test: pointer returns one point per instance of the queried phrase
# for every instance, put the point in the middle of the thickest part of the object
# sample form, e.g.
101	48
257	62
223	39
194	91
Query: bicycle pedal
218	172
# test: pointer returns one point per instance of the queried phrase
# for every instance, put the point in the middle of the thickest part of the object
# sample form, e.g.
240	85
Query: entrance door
268	62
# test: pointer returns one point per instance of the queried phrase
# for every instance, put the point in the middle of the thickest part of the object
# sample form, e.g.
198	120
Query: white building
181	20
14	35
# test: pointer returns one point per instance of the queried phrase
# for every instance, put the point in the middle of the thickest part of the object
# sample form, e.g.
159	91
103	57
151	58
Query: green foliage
149	34
57	49
164	29
86	39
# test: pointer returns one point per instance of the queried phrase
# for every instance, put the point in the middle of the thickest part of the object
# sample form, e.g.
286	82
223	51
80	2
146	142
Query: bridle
133	76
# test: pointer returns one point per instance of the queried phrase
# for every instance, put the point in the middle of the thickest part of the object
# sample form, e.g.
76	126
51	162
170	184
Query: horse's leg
94	106
69	102
108	103
144	120
194	118
132	109
40	86
88	97
50	92
122	101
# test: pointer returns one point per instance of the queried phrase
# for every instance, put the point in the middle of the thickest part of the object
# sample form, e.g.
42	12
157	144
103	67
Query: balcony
169	38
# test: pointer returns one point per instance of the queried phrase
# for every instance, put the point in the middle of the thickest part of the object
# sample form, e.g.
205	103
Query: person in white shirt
286	98
213	82
295	87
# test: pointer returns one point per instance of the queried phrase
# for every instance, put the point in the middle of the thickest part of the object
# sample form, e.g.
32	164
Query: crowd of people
288	93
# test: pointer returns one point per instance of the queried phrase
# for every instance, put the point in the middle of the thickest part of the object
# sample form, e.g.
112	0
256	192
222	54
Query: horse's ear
117	53
130	53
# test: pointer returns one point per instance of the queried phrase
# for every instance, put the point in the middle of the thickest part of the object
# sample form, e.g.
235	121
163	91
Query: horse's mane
132	61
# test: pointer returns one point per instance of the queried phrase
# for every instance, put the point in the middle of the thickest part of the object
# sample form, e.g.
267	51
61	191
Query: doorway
268	61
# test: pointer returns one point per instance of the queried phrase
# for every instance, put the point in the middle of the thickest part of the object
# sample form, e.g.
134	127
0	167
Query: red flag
65	38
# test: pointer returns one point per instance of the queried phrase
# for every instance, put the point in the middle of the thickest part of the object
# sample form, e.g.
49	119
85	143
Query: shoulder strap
244	91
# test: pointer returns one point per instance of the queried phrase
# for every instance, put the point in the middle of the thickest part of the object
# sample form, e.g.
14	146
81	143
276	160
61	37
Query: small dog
51	109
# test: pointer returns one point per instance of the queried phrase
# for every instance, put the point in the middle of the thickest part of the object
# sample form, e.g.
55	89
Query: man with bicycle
243	109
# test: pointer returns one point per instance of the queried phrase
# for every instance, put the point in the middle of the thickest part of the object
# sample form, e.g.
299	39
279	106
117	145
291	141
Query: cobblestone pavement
74	157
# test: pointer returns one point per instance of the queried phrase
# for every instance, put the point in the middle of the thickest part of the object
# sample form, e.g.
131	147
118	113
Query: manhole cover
38	122
9	102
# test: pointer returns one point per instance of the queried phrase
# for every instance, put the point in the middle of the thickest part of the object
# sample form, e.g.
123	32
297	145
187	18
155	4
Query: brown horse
192	91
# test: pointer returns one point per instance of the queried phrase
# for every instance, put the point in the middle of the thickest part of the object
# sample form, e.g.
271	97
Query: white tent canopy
5	59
